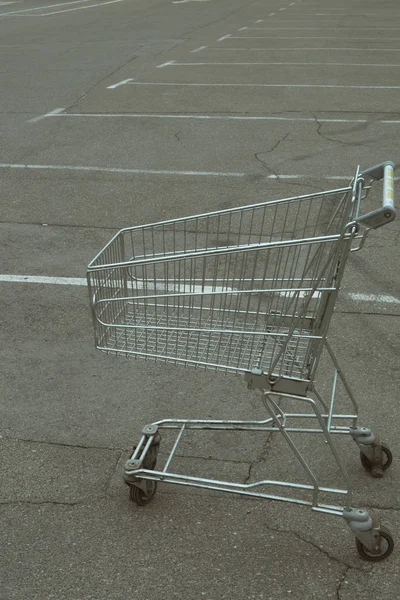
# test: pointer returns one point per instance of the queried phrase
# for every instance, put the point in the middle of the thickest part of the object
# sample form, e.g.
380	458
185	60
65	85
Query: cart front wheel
142	497
387	458
386	549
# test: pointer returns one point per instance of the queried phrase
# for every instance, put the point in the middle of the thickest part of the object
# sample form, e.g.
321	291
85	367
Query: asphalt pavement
120	112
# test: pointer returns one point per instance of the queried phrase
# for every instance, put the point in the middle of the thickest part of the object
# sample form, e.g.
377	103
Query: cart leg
373	542
375	456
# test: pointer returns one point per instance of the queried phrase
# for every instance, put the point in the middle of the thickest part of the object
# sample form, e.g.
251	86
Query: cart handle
386	213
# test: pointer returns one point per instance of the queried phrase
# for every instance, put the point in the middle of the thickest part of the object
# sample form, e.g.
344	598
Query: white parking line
15	12
80	8
115	85
57	113
166	64
350	29
119	170
262	85
381	298
303	64
224	37
291	37
198	49
82	282
168	172
231	49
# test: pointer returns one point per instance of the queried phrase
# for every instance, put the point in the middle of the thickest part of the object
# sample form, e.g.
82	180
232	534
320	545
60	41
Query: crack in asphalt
340	582
109	480
317	547
326	553
274	147
61	444
359	127
120	450
262	457
278	178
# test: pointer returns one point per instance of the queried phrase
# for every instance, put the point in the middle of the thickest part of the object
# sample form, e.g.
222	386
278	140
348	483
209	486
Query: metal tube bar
342	377
333	394
161	476
321	400
138	447
333	450
266	402
225	250
174	448
146	448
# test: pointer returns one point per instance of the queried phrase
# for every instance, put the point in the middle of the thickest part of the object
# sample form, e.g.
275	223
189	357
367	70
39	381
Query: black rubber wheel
387	545
387	459
138	495
142	497
150	459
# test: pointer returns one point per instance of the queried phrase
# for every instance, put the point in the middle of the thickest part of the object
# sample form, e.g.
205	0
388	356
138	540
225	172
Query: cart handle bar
386	213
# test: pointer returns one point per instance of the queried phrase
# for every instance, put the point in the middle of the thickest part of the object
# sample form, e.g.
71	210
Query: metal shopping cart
248	290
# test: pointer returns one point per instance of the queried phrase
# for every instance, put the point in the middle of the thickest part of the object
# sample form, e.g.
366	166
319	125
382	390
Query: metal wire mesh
231	290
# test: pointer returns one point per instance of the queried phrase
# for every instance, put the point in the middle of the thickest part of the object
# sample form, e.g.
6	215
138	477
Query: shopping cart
247	290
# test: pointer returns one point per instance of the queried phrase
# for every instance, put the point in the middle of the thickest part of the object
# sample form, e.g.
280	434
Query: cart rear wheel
142	497
386	459
387	545
150	460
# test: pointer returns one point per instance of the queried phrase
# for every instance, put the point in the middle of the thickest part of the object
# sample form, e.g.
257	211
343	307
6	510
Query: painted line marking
167	172
166	64
82	282
259	21
282	9
52	113
213	117
242	28
303	64
272	14
374	298
80	8
15	12
119	170
274	85
319	28
306	49
198	49
327	177
327	13
291	37
224	37
123	82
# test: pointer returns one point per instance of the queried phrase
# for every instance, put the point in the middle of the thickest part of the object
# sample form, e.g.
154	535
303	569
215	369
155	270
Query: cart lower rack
249	290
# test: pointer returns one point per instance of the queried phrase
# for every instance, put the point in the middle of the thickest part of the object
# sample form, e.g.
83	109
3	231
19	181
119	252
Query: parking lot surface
121	112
